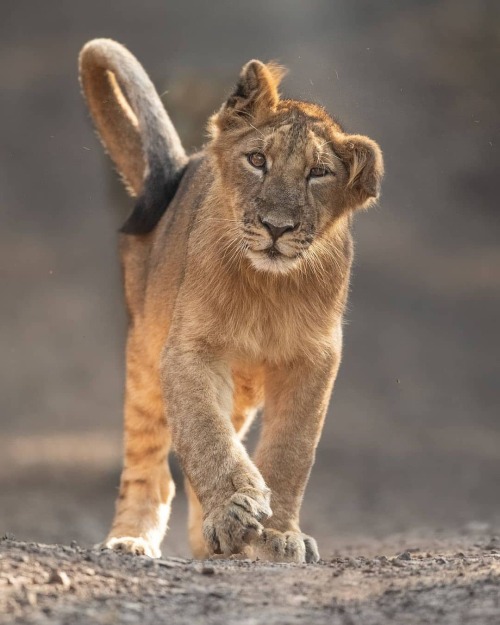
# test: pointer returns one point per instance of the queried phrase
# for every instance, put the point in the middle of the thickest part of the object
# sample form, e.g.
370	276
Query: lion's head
289	168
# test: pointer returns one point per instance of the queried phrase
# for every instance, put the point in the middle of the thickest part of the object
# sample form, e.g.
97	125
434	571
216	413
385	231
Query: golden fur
235	297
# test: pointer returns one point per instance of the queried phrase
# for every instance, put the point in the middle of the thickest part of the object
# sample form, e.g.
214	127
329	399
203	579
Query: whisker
259	131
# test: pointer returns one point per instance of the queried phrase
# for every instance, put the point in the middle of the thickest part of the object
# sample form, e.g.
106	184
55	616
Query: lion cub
236	269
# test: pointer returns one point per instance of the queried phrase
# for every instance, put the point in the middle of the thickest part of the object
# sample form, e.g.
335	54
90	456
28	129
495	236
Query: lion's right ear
134	129
254	97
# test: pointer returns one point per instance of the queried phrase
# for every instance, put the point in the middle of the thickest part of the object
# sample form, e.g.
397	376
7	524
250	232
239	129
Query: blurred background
412	440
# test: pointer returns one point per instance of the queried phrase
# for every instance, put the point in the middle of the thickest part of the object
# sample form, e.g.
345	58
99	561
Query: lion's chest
273	330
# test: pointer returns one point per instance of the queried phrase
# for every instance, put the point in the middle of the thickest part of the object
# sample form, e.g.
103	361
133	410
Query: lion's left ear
254	97
365	166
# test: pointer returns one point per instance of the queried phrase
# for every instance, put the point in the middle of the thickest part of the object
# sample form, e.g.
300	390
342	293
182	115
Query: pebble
168	564
59	577
31	598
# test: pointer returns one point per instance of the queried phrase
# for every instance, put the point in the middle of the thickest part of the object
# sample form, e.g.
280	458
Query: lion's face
288	187
290	170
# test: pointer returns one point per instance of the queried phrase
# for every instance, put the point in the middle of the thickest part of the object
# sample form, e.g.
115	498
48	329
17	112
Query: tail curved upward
134	128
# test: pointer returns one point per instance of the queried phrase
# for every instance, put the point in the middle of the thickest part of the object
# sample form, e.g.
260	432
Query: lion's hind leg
146	486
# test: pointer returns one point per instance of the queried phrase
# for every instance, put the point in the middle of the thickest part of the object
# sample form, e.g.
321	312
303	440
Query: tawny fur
220	324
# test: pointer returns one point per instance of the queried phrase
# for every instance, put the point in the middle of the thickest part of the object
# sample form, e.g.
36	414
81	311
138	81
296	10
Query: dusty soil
450	579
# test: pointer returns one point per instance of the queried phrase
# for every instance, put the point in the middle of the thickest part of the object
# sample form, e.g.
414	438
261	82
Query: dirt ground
441	579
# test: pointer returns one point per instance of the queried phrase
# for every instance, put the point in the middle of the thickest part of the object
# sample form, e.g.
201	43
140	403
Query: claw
312	553
232	526
285	547
132	544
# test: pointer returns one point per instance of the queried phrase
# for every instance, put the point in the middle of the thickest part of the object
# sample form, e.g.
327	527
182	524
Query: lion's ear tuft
254	96
365	166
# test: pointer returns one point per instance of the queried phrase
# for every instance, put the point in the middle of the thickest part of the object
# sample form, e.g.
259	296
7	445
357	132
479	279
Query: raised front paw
228	528
132	544
285	547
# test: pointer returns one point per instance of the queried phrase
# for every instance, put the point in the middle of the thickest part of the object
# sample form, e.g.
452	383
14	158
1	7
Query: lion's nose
276	230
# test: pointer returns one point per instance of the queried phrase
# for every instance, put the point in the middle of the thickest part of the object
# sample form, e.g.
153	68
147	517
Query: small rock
179	560
440	561
207	569
168	564
406	555
31	598
21	558
59	577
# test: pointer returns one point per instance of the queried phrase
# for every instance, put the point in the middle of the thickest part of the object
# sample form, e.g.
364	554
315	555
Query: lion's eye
257	159
319	172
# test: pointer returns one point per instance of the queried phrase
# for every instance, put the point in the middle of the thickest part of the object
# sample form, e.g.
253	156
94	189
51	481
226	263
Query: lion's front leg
234	496
296	400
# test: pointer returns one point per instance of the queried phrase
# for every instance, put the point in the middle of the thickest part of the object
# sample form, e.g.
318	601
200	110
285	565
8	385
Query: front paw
132	544
285	547
228	528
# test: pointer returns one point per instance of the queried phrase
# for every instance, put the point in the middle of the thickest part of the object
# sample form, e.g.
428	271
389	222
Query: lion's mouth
271	259
273	252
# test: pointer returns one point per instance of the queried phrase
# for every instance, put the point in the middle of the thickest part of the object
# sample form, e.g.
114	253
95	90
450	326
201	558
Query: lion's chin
271	263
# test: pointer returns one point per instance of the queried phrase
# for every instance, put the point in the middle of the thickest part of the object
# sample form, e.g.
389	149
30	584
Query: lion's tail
134	128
